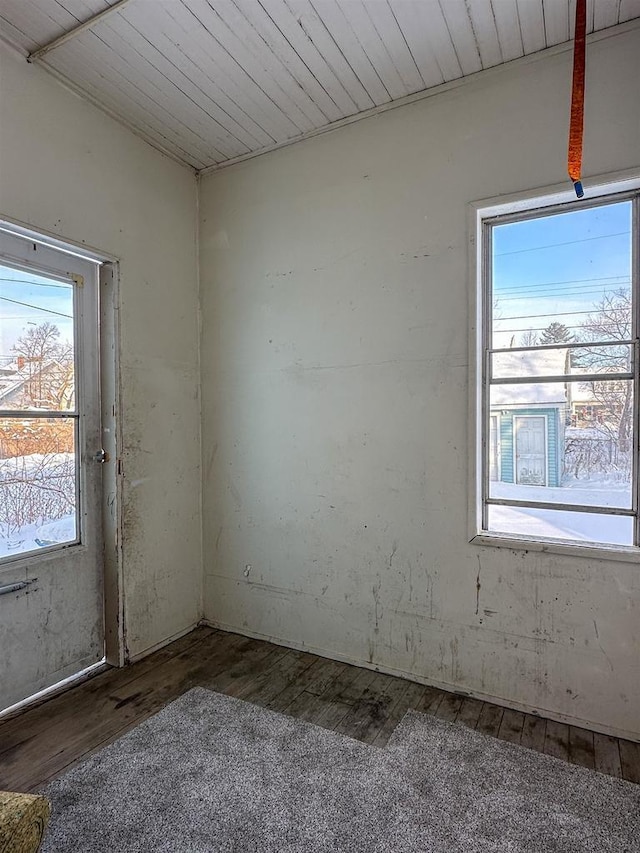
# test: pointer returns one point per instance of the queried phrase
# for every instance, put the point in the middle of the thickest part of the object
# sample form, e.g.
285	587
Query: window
48	398
557	410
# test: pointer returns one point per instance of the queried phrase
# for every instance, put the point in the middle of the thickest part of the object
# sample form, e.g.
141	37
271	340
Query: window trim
517	206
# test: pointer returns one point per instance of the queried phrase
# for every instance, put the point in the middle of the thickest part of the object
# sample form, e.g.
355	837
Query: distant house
12	385
527	434
25	435
20	383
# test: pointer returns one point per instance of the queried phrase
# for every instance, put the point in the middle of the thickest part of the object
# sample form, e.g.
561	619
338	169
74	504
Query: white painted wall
70	170
335	297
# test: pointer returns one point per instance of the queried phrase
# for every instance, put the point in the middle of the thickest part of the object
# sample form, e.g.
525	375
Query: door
531	449
51	577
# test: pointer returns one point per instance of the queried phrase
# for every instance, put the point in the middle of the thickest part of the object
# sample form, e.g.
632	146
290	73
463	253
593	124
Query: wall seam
199	386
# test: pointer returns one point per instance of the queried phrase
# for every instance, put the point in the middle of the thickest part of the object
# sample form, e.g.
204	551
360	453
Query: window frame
81	273
483	215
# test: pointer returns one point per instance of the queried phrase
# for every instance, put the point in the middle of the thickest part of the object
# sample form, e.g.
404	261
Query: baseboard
428	682
160	645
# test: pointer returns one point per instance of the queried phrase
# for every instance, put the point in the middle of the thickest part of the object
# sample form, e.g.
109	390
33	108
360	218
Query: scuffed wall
68	169
335	295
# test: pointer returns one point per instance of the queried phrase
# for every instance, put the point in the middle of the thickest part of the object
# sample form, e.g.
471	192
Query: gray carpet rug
213	773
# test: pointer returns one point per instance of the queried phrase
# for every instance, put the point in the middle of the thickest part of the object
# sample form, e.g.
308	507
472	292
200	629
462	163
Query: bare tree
37	473
37	455
529	338
612	410
611	321
48	366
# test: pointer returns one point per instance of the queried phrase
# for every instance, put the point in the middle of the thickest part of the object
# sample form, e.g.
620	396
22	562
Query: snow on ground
564	524
33	537
37	471
590	492
37	463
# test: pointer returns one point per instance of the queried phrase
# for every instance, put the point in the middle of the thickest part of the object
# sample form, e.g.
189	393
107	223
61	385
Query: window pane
562	278
37	484
561	524
560	361
557	442
36	342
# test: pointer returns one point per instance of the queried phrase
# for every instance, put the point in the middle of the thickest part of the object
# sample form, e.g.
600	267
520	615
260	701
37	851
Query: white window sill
618	553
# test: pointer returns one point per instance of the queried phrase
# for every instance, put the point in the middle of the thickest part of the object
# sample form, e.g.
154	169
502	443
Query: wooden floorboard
606	752
313	681
556	742
490	719
42	742
511	726
407	700
449	707
274	680
534	731
581	747
372	710
469	713
630	760
430	700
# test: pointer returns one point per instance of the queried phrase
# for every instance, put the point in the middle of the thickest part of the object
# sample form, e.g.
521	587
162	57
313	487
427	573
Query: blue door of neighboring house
531	449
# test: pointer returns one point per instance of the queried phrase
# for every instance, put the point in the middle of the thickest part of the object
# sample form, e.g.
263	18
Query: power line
613	280
570	294
576	326
554	314
532	290
35	307
581	280
553	245
541	291
37	283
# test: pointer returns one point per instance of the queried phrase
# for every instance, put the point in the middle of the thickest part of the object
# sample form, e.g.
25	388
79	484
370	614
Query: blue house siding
506	448
554	443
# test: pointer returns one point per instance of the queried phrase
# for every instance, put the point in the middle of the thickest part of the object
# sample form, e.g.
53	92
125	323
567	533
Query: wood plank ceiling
213	81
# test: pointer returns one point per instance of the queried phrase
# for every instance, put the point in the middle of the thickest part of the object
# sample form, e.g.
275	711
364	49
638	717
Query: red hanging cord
576	126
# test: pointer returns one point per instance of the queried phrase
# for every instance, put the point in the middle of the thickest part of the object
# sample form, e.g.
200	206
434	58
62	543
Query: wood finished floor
40	743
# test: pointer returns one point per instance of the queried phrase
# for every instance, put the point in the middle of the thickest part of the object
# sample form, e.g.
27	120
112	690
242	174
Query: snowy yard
32	537
37	502
564	524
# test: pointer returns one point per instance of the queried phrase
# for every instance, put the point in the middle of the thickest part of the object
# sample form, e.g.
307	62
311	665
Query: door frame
110	397
545	418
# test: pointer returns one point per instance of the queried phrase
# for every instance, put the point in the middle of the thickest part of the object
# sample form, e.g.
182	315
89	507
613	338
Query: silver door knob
101	456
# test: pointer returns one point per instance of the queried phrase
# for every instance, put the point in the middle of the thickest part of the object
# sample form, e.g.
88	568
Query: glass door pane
37	352
38	495
38	417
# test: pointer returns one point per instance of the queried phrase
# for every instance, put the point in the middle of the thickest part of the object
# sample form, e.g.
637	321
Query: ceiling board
532	26
214	81
466	35
629	9
429	40
605	14
324	25
507	28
